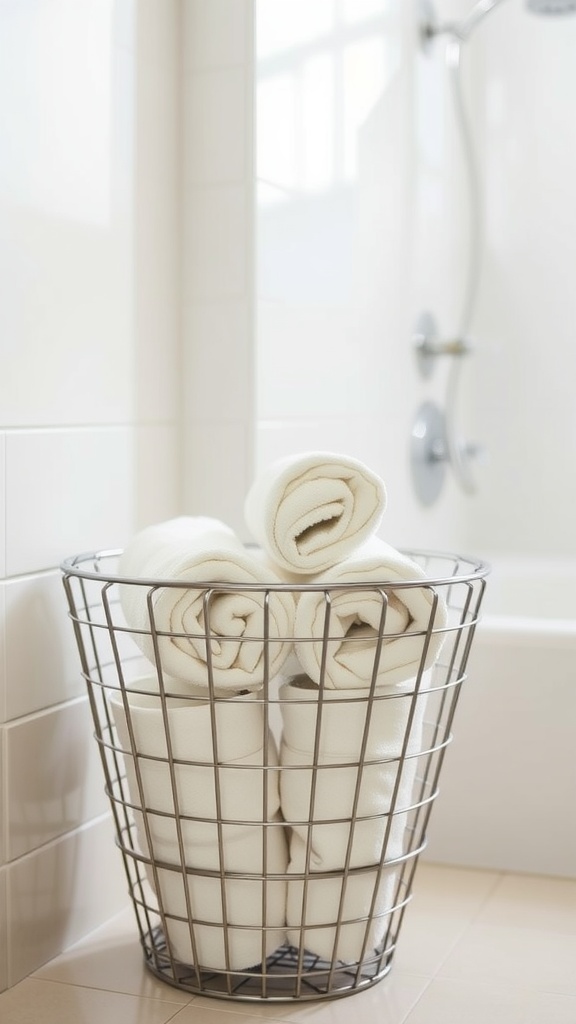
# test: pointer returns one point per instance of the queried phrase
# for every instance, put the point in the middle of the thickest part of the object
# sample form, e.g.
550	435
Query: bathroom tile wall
217	257
521	113
310	245
363	222
2	507
351	242
89	415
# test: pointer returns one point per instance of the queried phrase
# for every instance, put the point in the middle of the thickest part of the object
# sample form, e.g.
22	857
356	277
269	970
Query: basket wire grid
281	872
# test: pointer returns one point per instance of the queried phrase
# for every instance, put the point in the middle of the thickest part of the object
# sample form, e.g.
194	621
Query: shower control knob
428	452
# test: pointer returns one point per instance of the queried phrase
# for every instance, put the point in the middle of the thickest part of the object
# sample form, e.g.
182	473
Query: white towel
225	783
310	511
341	788
255	909
199	550
370	897
379	793
355	621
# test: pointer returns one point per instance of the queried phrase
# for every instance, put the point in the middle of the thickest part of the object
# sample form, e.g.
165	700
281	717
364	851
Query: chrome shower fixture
428	453
430	27
429	347
552	6
433	450
461	30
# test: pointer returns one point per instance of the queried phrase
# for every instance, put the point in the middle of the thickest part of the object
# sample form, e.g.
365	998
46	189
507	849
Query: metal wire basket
270	834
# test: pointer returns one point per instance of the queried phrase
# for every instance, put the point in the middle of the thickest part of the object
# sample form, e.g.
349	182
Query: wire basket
270	832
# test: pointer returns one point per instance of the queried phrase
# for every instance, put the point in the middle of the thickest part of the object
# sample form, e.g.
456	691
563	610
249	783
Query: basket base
288	975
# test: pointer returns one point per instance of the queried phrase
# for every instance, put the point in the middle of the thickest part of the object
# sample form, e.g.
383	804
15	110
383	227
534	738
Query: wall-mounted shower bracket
428	452
429	347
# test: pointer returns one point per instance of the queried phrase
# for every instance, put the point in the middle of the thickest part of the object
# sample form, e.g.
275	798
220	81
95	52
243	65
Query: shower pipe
461	454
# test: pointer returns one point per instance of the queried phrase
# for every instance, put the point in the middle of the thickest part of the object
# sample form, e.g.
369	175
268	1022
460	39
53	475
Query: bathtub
508	785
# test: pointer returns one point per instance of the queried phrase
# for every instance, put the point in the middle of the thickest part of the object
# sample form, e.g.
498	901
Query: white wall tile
525	358
89	251
158	27
67	491
308	247
2	652
2	504
157	470
3	932
54	780
216	121
218	362
66	230
124	25
354	436
58	894
216	233
217	469
157	211
42	663
216	32
314	361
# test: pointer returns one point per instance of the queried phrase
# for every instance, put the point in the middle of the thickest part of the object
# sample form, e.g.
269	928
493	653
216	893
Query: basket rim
477	569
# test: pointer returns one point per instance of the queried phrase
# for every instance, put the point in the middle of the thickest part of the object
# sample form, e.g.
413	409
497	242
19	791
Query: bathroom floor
475	946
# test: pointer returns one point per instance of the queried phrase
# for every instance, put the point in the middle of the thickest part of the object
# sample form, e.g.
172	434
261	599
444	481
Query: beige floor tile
457	892
445	902
213	1012
48	1002
534	959
454	1002
424	943
532	901
389	1000
503	947
552	1009
111	958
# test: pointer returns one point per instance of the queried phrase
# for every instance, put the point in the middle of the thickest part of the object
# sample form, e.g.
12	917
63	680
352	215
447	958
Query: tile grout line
470	922
497	880
97	988
36	976
406	1019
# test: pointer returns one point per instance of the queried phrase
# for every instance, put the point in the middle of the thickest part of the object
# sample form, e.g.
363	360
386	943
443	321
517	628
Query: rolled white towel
219	753
200	551
254	908
310	511
346	755
315	908
342	770
222	770
415	616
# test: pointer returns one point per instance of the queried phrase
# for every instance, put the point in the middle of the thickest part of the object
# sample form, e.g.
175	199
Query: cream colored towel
218	783
200	551
254	910
341	759
415	616
362	904
310	511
